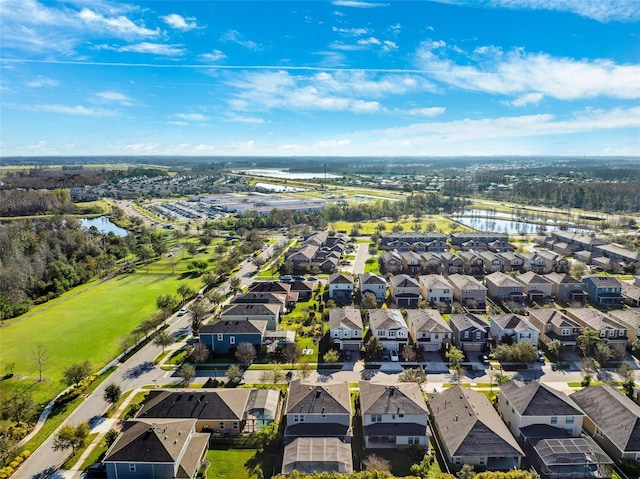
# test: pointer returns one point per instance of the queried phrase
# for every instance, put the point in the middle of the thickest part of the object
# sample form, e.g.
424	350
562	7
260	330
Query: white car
182	311
394	356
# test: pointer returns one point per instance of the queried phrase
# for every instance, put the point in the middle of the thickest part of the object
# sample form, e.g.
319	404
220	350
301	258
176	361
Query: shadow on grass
263	461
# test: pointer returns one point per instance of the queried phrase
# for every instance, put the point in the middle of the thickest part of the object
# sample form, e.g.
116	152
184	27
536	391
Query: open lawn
369	227
85	323
238	464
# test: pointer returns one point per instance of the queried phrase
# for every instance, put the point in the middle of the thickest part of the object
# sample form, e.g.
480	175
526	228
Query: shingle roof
404	281
427	320
434	281
553	316
470	426
345	317
562	278
500	279
512	321
467	320
386	319
270	287
594	318
532	278
340	278
465	282
251	309
215	404
402	398
370	278
308	398
537	399
234	327
615	414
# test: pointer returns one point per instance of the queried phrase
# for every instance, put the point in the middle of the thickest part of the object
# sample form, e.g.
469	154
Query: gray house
223	336
374	284
468	291
566	288
428	329
158	448
503	287
470	331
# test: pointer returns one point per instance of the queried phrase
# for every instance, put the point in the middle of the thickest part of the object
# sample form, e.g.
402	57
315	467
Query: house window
603	333
220	337
436	336
392	334
298	418
232	340
382	333
376	418
554	419
569	420
132	468
466	335
478	335
414	440
235	425
565	332
481	461
612	333
457	460
221	425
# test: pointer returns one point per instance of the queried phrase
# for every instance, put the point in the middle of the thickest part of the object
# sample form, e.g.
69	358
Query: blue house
470	331
223	336
604	290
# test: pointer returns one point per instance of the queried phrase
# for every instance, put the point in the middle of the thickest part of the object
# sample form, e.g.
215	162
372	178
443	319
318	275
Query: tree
245	353
234	285
185	292
112	393
166	302
578	269
586	380
18	406
331	356
73	437
199	353
198	313
422	468
192	248
369	301
373	347
163	339
110	437
412	375
466	472
635	348
629	386
234	374
376	463
187	373
215	297
8	448
603	353
304	371
626	371
587	341
292	353
556	349
273	375
409	353
455	356
75	373
40	358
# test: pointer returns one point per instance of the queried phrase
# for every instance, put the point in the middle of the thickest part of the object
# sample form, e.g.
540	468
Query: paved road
361	258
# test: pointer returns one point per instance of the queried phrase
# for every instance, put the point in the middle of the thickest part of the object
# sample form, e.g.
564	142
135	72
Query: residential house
389	327
604	290
223	336
609	329
346	328
318	410
471	431
160	448
470	331
435	288
503	287
390	262
285	300
512	262
309	455
341	287
468	291
554	324
393	415
524	405
562	457
301	290
630	294
577	241
479	237
612	419
269	312
566	288
536	288
411	262
619	255
405	291
492	262
412	237
630	318
428	329
375	284
537	262
515	327
222	412
431	263
472	263
451	263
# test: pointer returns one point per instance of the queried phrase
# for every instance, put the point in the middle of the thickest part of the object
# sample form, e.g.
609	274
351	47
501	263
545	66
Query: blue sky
312	78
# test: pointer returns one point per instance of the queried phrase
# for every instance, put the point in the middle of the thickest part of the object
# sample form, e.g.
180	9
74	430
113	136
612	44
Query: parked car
286	278
540	357
394	355
485	359
312	278
385	355
182	311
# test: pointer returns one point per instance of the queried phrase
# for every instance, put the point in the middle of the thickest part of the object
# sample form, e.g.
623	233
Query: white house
374	284
390	327
515	326
346	328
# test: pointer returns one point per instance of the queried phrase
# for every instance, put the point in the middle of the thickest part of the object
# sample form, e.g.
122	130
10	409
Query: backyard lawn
238	464
85	323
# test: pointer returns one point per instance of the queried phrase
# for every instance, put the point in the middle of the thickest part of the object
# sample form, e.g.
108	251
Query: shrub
26	453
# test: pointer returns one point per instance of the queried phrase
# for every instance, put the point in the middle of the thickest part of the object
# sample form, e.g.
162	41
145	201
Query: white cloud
360	106
214	56
358	4
599	10
326	144
232	117
179	22
151	48
428	111
120	25
234	36
528	99
141	147
518	72
191	117
352	32
115	97
77	110
41	81
369	41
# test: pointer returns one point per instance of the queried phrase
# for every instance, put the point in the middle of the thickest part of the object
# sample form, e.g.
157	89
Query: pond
284	174
509	227
104	225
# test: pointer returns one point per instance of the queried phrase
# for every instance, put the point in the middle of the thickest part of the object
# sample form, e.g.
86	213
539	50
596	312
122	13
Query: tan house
405	291
610	330
468	291
435	288
428	329
346	328
554	324
502	287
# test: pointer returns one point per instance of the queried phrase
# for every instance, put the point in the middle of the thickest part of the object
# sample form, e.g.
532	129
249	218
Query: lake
284	174
509	227
104	225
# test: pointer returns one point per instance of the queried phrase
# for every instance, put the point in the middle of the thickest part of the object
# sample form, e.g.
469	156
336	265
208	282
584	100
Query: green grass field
85	323
407	223
238	464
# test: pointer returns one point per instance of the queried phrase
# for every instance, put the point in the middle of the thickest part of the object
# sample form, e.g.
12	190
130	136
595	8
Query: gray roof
500	279
404	281
562	278
594	319
306	398
615	414
603	281
434	281
260	297
427	320
396	429
464	282
251	309
401	398
340	278
532	278
553	316
210	404
370	278
386	319
234	327
318	454
537	399
346	317
468	320
270	287
469	425
512	321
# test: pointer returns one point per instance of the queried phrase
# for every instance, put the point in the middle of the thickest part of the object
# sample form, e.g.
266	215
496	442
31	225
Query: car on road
394	355
312	278
287	278
200	297
182	311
